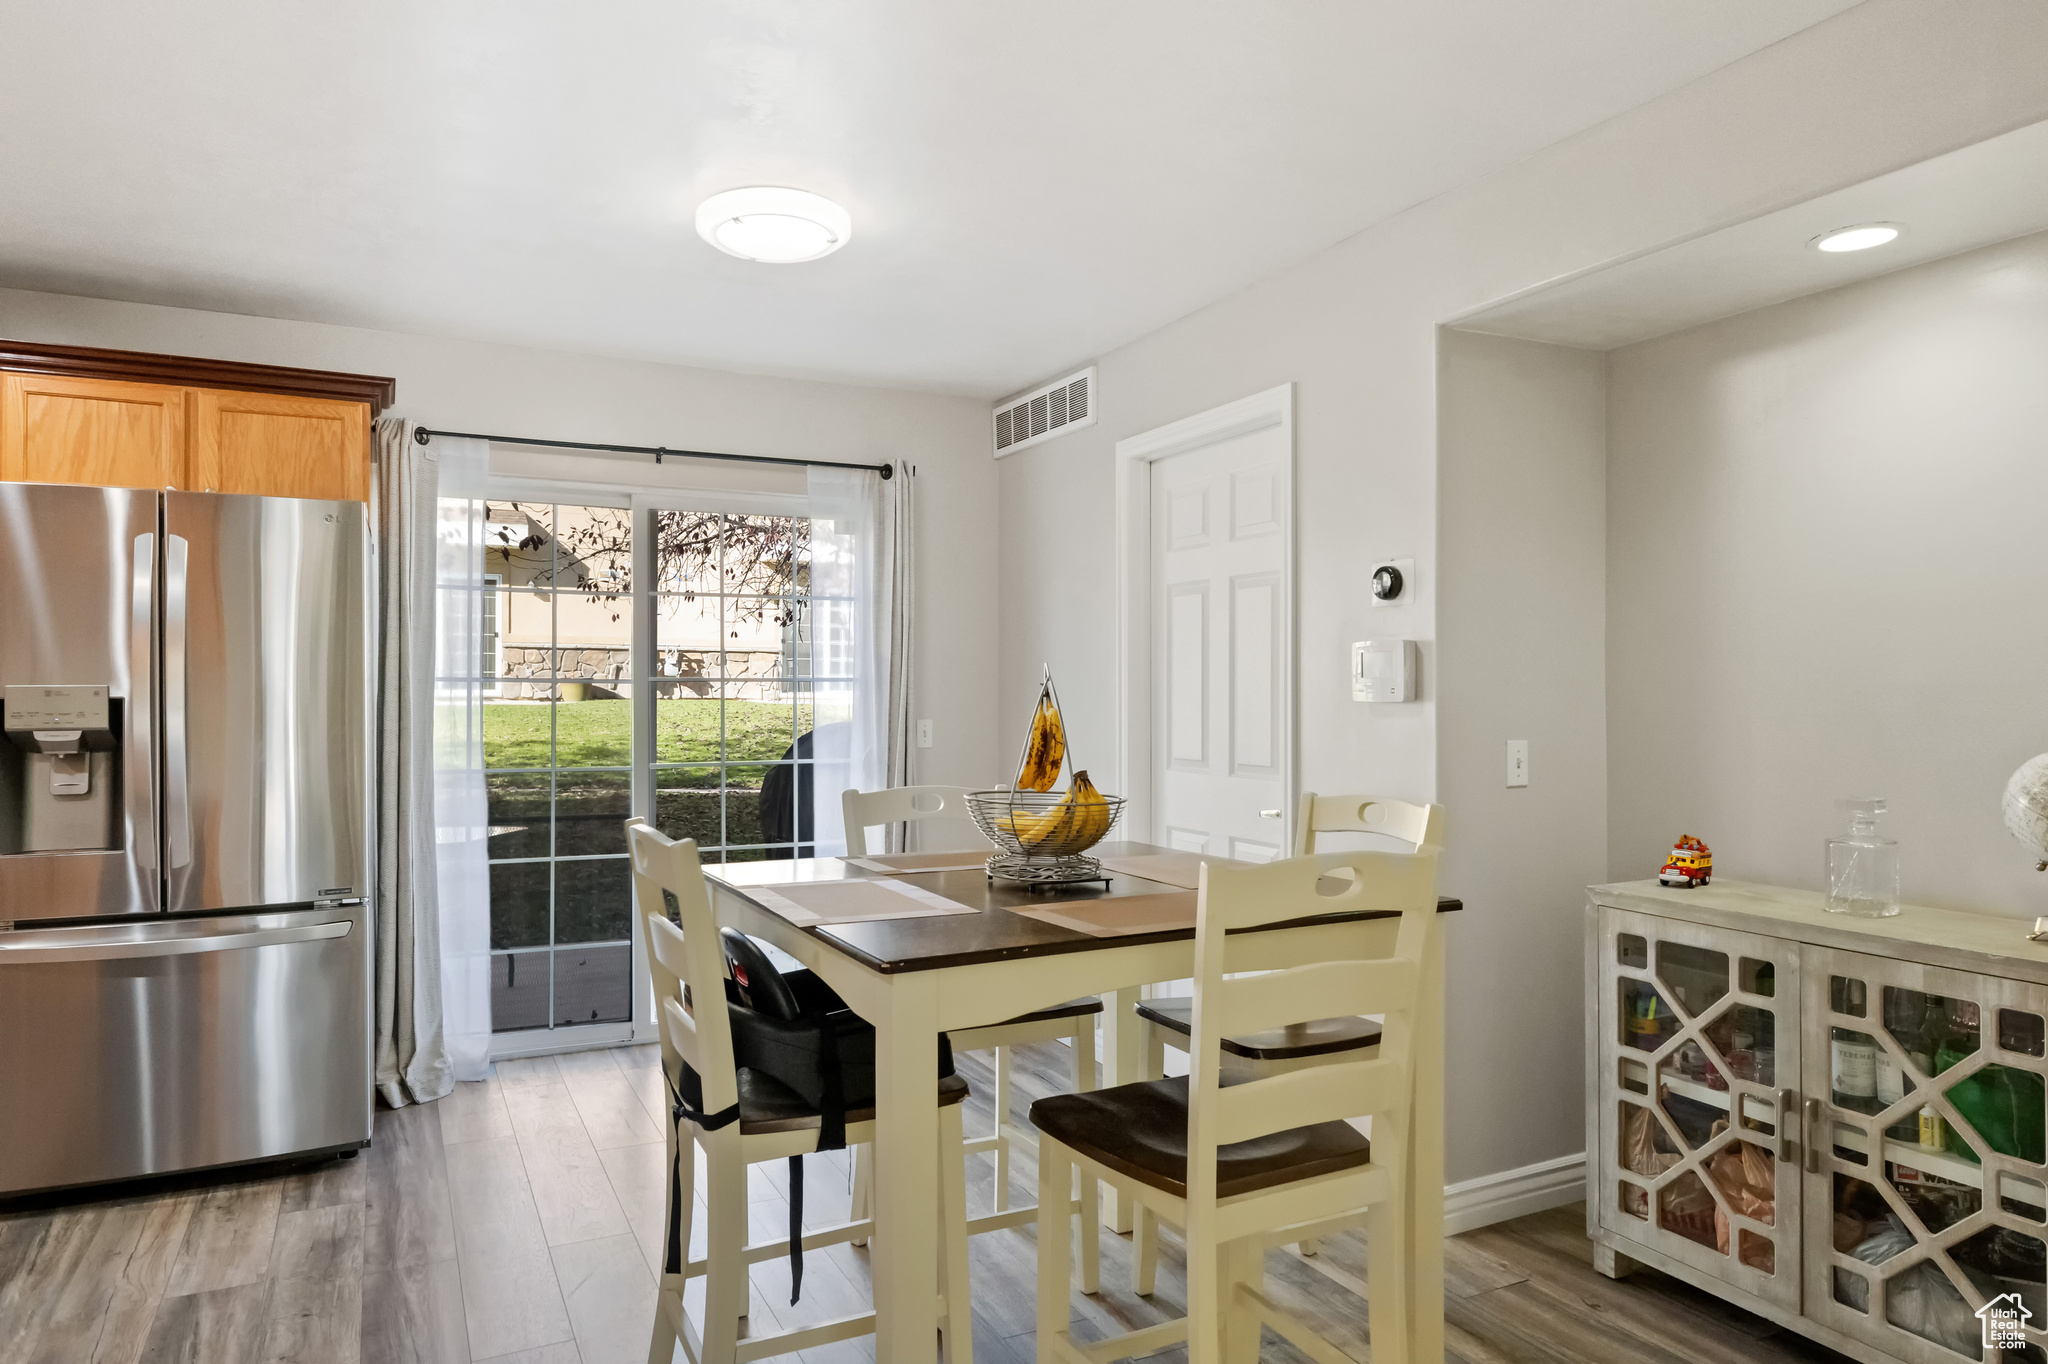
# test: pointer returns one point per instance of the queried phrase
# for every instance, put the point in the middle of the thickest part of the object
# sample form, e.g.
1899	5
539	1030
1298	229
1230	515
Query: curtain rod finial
888	471
422	435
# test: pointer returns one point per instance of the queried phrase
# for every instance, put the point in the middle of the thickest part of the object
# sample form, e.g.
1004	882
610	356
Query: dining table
1017	948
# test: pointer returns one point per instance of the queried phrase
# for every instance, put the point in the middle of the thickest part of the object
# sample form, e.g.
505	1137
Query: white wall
510	390
1521	615
1828	528
1886	84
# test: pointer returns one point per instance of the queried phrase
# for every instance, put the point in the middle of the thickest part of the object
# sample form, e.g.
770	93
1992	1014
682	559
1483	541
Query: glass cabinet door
1925	1192
1698	1066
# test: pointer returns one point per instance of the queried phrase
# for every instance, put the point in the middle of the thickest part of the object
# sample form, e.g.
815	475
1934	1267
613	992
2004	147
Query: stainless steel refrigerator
184	832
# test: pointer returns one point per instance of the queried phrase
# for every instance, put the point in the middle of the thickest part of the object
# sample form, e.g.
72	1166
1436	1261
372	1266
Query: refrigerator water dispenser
59	770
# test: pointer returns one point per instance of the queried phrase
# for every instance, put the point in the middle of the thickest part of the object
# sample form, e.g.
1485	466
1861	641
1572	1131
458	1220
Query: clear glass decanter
1863	869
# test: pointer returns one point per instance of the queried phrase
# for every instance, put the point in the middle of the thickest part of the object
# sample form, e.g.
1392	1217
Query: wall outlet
924	734
1518	762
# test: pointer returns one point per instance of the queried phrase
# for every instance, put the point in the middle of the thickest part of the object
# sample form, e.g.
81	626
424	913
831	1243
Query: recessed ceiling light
773	225
1859	238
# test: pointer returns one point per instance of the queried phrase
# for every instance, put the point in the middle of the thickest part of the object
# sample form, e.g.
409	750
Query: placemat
903	864
1118	915
817	903
1181	869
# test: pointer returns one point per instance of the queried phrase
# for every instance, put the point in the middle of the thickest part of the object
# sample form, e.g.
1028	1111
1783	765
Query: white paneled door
1219	645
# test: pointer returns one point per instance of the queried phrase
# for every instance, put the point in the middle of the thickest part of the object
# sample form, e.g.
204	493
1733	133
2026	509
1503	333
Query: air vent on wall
1046	412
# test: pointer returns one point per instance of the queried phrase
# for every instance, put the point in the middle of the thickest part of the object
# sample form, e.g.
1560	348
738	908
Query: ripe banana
1047	747
1078	821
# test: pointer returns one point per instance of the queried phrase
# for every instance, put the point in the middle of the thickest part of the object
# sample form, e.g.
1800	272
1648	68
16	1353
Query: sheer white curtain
461	816
859	616
412	1059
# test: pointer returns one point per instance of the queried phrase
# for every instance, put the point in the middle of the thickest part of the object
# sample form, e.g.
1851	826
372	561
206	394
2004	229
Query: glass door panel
1927	1159
734	680
1693	1053
558	757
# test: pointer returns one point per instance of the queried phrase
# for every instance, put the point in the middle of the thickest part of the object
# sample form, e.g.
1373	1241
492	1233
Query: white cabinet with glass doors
1834	1123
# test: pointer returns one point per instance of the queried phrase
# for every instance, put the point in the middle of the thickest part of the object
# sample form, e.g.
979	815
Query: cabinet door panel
1931	1193
279	446
1699	1065
93	431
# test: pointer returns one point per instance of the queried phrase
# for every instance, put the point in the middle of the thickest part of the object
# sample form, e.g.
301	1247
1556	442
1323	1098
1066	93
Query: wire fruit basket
1041	835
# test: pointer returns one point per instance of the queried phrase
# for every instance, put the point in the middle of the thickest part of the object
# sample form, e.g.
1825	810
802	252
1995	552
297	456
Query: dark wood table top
994	934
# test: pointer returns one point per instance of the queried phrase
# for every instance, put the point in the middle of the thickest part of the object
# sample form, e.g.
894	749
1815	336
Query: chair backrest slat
685	951
679	1030
1296	1098
1323	989
1415	825
863	810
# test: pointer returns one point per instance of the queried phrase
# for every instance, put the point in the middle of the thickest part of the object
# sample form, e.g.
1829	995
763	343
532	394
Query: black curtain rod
423	435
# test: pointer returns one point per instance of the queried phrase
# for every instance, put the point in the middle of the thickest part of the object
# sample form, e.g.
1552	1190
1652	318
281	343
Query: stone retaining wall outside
750	674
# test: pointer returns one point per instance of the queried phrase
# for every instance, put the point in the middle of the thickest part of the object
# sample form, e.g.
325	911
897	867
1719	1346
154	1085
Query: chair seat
1290	1043
768	1105
1073	1008
1141	1131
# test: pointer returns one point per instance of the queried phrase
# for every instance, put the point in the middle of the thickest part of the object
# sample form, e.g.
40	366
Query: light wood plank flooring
520	1220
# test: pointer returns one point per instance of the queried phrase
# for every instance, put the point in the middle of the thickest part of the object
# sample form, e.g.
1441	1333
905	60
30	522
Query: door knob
1269	814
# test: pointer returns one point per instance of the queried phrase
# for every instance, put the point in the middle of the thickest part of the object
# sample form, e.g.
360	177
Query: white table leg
1425	1230
903	1255
1123	1062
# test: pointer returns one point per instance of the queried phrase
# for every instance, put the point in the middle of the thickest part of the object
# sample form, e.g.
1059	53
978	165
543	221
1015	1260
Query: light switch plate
924	734
1518	762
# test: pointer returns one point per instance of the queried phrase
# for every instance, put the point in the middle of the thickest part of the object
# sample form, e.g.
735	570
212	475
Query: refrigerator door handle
177	778
142	698
116	942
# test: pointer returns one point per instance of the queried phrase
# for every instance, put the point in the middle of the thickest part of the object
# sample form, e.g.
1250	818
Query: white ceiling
1030	184
1990	192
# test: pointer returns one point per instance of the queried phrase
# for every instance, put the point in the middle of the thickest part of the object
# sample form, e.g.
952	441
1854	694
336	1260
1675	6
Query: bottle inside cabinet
1852	1053
2006	1105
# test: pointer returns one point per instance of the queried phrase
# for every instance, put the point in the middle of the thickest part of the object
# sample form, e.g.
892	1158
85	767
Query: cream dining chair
1298	1046
744	1119
1262	1161
1072	1022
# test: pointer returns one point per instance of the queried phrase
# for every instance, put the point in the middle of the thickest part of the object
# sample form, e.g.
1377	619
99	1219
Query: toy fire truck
1691	864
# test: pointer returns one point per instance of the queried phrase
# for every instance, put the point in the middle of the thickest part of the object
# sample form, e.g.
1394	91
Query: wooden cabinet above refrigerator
74	414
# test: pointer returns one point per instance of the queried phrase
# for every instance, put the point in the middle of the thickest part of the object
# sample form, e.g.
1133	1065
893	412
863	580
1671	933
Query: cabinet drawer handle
1788	1114
1812	1135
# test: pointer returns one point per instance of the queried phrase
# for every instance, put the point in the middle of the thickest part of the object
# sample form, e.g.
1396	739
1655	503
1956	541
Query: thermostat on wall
1393	582
1383	670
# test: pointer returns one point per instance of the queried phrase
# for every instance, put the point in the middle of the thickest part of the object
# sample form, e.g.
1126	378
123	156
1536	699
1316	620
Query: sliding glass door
724	740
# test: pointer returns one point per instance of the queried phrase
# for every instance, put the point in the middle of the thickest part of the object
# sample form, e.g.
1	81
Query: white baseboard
1494	1198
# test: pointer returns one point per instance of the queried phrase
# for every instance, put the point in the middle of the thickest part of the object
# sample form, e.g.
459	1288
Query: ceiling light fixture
773	225
1859	238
